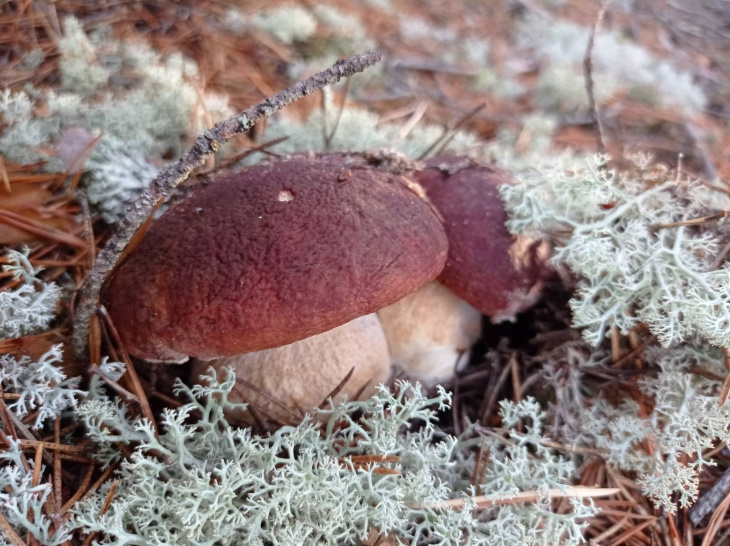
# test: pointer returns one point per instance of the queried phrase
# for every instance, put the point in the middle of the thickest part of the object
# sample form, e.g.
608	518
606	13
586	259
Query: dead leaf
75	147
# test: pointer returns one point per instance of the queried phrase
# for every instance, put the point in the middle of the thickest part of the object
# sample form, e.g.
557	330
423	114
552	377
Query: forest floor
475	66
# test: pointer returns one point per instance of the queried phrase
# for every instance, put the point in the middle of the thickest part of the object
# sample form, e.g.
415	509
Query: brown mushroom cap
488	267
271	255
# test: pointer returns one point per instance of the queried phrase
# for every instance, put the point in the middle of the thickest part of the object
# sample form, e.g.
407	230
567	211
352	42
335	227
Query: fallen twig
711	499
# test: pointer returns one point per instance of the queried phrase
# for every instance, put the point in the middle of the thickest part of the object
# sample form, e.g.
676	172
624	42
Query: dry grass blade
486	501
57	467
4	176
338	119
124	393
66	515
480	468
76	163
294	417
51	446
358	393
489	401
417	114
673	533
634	353
10	533
338	388
79	492
131	372
37	462
692	222
516	381
364	462
94	341
261	148
438	146
386	471
725	391
714	525
91	243
624	537
615	528
104	508
364	459
109	498
39	230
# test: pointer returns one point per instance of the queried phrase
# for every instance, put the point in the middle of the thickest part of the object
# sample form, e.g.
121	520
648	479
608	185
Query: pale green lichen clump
21	502
41	385
627	239
43	388
202	479
142	105
287	23
31	306
667	445
608	229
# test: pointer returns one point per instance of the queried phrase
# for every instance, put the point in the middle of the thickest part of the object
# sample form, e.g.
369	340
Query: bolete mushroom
491	271
272	255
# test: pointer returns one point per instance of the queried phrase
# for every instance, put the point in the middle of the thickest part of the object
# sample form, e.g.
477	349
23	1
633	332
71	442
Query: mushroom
488	270
301	376
496	272
272	255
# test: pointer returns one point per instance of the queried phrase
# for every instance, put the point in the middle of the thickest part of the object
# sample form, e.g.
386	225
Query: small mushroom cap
300	376
271	255
430	333
493	270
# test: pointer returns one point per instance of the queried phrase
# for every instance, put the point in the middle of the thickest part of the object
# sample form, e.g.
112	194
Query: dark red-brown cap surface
272	255
486	266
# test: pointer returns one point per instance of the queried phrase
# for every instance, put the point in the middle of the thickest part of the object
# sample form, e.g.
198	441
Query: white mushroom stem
430	333
300	376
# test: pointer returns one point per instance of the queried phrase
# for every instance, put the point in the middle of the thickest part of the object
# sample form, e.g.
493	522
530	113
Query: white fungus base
430	333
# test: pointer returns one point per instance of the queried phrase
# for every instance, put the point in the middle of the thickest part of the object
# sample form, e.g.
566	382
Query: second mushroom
488	271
